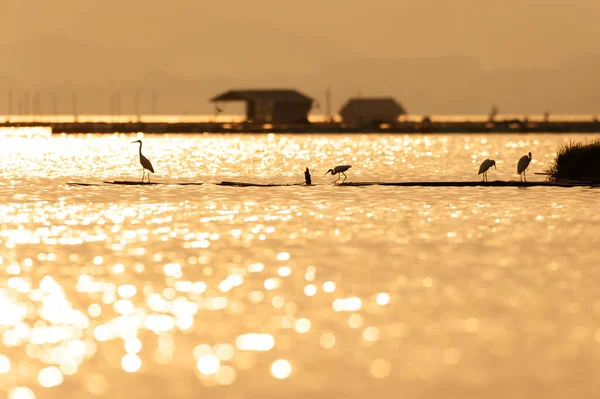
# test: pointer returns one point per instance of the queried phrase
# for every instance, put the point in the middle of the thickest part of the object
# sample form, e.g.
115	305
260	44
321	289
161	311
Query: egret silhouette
339	169
146	165
522	165
485	165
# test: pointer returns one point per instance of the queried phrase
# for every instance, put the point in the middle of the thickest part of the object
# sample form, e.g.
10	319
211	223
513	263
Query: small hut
271	106
364	111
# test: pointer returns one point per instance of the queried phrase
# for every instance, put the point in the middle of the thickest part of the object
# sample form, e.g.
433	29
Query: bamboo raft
134	183
137	183
241	184
308	183
496	183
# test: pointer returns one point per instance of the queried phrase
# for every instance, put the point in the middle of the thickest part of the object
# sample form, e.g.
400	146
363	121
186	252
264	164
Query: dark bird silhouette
339	169
145	162
485	165
522	165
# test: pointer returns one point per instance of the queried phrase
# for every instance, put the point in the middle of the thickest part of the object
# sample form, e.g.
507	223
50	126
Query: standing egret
339	169
146	165
522	165
485	165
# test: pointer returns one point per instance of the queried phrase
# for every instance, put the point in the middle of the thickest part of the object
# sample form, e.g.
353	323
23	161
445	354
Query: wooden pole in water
154	100
328	105
118	103
74	104
36	104
10	103
26	104
307	177
54	104
136	104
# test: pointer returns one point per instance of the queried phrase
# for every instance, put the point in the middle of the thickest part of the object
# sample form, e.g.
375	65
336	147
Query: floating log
496	183
240	184
132	183
83	184
139	183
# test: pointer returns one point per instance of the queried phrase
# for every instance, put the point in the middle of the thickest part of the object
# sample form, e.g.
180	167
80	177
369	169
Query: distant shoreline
407	127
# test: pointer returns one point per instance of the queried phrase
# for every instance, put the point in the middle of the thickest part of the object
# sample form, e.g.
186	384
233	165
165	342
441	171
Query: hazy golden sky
503	33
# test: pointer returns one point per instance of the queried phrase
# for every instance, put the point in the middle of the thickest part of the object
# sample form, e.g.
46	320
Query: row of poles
31	103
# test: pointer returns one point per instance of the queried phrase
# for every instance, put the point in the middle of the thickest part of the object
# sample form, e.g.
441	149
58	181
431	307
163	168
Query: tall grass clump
576	161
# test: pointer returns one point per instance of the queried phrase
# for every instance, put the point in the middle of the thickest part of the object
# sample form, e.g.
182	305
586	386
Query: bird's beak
326	173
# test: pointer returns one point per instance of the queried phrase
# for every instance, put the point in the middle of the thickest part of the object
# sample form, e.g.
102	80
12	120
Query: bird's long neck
140	148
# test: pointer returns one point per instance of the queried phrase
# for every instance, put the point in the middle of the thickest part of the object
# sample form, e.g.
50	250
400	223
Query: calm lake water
323	292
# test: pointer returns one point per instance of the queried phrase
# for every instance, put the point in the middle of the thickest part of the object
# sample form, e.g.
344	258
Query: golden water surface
325	292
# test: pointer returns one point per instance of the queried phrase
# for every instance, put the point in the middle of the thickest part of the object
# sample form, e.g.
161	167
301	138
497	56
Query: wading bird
339	169
485	165
522	165
146	165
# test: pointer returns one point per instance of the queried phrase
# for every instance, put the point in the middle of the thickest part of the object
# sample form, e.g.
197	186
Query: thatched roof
276	95
380	108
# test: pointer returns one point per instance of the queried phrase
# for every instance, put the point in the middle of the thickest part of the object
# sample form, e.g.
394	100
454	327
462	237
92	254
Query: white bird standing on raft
522	165
485	165
339	169
145	162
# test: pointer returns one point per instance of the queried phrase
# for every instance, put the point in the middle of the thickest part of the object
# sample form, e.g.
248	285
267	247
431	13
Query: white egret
339	169
522	165
485	165
146	165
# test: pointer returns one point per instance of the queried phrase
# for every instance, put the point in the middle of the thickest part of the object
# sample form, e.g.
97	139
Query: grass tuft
576	161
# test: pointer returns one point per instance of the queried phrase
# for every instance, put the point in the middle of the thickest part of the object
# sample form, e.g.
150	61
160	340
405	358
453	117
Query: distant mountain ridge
184	81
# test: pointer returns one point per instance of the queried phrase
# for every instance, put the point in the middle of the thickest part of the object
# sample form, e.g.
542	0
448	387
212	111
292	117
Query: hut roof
373	105
277	95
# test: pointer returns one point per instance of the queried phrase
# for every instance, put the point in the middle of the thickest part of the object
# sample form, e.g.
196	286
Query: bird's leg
335	181
148	177
143	174
525	176
344	177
